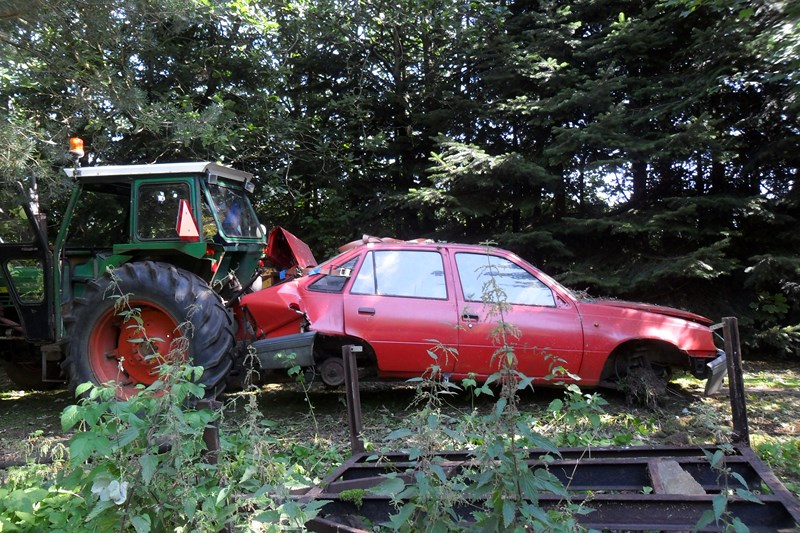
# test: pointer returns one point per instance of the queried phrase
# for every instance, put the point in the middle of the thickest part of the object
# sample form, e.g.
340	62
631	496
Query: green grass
787	379
782	455
773	402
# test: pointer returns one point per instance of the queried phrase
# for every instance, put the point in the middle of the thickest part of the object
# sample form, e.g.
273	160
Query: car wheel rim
332	372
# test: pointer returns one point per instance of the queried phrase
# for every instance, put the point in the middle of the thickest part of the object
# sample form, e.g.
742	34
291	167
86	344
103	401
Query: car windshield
234	211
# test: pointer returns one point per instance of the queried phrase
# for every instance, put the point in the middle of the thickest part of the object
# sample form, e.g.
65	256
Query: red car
400	299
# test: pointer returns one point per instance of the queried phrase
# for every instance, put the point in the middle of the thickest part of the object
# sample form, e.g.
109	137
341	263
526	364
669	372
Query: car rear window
410	273
479	273
336	281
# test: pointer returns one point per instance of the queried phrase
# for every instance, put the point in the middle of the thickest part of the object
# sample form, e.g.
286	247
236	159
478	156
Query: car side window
479	273
365	280
411	273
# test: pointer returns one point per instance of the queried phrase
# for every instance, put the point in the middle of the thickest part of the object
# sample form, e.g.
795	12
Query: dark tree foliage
636	149
656	155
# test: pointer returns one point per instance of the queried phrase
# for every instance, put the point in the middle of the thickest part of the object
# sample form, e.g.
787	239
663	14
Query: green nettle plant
501	492
719	514
503	478
577	417
433	497
142	464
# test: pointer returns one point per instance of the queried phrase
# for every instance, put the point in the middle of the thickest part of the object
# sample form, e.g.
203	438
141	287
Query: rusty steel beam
627	512
604	474
353	396
733	349
610	481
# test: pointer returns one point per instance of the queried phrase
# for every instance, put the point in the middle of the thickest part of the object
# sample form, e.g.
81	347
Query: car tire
102	346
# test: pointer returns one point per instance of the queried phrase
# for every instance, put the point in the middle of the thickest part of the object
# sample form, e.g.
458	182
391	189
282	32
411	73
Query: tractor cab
197	216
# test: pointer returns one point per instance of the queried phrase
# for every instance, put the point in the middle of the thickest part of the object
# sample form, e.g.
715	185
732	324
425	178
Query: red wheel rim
130	353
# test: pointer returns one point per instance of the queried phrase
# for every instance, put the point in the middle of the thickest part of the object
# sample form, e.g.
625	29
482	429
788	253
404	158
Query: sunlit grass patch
782	454
774	379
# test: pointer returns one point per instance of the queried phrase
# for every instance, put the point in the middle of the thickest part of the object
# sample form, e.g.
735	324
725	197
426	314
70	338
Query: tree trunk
639	175
718	184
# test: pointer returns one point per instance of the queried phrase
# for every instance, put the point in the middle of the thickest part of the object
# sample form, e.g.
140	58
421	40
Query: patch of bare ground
29	420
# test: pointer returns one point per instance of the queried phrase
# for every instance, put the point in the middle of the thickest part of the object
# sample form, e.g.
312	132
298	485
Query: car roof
372	242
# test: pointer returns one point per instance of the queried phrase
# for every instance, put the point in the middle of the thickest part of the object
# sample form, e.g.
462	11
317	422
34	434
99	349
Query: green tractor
177	243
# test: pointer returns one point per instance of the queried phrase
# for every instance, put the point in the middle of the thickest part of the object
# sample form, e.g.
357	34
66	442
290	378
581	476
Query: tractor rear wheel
170	307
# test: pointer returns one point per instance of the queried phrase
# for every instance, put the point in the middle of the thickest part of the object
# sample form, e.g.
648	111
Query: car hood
285	250
656	309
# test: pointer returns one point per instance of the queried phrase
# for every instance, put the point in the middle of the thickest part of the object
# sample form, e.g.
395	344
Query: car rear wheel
331	371
170	313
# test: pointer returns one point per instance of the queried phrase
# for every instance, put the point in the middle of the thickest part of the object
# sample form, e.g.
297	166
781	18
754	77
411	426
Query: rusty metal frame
623	487
609	481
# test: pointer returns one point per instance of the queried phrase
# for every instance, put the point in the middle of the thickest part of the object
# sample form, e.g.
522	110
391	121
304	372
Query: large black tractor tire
104	345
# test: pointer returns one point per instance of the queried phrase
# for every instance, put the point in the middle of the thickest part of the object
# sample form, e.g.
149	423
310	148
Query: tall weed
500	491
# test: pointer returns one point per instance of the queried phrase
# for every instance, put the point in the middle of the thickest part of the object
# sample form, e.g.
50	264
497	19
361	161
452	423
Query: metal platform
609	481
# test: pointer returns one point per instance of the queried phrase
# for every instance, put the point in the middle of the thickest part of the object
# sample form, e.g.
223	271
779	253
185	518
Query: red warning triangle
187	226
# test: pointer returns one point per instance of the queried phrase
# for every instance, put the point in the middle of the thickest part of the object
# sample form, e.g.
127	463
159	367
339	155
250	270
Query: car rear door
401	301
547	323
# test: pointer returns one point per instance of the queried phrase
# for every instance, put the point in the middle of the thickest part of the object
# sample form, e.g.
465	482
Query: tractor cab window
27	276
157	210
100	219
234	212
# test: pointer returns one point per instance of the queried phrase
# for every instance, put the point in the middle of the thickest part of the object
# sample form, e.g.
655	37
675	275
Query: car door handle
366	311
469	317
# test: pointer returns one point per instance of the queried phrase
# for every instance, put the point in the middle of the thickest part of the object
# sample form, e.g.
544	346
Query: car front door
402	303
501	303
